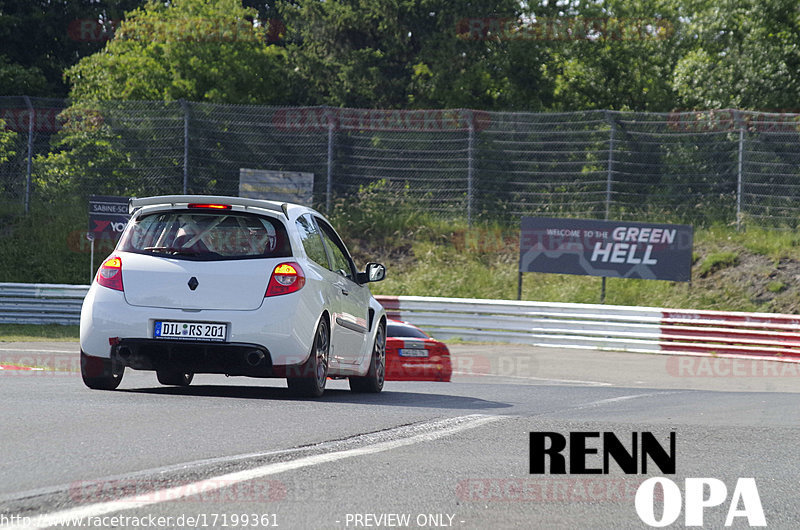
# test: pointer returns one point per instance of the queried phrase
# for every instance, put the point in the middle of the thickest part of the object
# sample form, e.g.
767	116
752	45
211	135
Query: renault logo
193	283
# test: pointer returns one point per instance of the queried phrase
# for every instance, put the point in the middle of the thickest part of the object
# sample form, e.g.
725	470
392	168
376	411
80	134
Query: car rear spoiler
172	200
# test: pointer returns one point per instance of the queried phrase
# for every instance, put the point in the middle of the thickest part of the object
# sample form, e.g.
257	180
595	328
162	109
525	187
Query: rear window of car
207	235
397	330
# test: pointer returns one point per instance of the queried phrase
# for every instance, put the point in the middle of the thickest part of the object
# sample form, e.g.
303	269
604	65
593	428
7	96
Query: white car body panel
237	285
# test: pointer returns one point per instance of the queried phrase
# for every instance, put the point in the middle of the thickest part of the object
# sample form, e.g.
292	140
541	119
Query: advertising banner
107	216
614	249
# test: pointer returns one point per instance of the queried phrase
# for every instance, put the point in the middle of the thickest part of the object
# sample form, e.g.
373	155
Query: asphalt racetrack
243	453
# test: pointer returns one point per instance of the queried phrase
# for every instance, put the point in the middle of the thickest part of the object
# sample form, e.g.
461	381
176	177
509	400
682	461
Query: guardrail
603	327
41	303
598	327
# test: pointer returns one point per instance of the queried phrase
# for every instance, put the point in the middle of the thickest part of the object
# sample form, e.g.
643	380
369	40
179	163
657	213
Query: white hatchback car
235	286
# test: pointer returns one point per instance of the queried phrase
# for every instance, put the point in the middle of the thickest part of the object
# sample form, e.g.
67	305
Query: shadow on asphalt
387	398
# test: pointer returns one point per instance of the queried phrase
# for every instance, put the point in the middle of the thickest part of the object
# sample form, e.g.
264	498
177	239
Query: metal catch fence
701	167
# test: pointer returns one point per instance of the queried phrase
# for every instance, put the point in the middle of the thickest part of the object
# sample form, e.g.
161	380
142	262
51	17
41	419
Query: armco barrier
599	327
37	303
603	327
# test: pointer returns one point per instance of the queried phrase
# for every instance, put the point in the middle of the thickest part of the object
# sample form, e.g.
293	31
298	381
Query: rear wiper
172	250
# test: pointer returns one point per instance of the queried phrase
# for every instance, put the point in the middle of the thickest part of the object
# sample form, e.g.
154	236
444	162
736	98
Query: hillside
752	270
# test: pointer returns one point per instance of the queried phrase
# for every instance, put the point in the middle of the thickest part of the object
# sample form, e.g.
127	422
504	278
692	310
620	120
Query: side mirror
374	272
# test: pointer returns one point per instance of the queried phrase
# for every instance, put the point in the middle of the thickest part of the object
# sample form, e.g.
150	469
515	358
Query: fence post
185	108
739	174
329	182
609	180
609	175
27	199
470	166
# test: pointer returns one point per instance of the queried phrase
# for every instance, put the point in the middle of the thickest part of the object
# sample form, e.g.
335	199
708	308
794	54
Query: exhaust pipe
124	353
254	358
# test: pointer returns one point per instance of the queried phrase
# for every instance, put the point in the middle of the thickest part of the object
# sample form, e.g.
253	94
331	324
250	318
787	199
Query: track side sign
614	249
107	216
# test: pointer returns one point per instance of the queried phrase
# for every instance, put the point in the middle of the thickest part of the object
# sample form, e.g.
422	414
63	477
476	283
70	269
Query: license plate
413	352
190	330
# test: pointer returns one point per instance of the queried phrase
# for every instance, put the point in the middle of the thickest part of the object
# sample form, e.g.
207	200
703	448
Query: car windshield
207	236
399	330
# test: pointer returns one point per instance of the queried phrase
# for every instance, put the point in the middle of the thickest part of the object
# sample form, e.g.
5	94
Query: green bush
382	211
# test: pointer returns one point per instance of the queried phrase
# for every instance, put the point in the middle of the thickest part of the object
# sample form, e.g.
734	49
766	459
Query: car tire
174	377
99	373
314	372
376	374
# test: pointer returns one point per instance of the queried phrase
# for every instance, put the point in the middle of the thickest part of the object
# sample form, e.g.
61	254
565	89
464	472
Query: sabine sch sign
107	216
614	249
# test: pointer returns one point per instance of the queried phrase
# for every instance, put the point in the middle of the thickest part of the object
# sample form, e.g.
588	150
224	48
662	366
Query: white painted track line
547	379
439	429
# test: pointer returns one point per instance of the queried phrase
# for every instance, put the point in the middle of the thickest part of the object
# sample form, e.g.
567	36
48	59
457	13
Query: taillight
212	206
440	349
286	278
110	274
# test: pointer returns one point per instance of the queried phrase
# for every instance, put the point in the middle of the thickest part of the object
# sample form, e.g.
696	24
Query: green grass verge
717	261
732	271
38	333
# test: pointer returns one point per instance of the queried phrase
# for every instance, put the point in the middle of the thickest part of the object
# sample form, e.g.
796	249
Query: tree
7	141
199	50
16	79
617	54
747	56
389	54
87	158
43	37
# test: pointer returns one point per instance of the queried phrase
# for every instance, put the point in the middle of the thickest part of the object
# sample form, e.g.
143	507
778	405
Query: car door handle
345	291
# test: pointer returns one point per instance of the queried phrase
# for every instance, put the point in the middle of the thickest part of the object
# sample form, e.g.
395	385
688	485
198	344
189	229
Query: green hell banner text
606	248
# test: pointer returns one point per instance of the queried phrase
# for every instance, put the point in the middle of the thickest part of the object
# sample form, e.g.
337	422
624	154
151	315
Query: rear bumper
194	356
434	368
284	326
